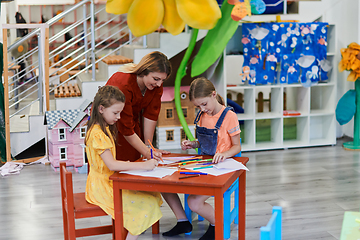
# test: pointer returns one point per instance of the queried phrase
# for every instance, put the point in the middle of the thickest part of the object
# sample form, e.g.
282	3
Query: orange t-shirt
229	127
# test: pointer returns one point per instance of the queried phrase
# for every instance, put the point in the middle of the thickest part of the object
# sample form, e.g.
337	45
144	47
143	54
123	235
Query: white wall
8	11
344	14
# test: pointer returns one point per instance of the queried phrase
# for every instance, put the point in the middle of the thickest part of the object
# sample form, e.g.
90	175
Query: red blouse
135	107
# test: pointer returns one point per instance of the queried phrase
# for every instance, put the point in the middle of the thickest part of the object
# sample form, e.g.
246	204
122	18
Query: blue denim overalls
208	137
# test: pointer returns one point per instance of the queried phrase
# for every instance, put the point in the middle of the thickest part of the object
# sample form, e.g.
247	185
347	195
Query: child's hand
219	157
150	164
186	144
156	155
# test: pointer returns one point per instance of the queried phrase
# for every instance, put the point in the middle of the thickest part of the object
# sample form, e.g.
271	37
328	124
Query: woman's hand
186	144
150	164
219	157
163	151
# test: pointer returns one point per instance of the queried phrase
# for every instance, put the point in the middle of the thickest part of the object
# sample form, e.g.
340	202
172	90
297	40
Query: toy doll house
66	133
169	132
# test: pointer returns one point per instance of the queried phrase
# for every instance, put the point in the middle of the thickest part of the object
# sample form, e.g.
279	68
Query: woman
142	85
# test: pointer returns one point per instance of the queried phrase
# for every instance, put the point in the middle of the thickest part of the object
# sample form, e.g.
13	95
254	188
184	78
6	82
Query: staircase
81	54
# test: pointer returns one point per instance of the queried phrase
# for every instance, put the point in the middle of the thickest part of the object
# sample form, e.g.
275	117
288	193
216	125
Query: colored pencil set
188	162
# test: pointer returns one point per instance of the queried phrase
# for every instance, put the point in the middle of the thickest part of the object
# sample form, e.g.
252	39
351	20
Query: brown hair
106	96
202	87
151	62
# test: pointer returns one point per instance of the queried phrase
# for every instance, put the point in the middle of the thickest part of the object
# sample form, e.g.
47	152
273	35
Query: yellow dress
141	209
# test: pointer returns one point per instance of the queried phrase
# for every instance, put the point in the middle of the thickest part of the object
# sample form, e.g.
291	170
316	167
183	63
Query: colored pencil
190	176
202	167
192	173
152	147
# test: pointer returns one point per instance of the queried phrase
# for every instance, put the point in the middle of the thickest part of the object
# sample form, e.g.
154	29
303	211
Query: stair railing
11	84
86	40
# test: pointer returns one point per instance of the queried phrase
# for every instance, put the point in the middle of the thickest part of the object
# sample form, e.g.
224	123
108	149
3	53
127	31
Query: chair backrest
272	231
67	194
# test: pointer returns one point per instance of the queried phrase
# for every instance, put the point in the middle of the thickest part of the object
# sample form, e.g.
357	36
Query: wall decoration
285	52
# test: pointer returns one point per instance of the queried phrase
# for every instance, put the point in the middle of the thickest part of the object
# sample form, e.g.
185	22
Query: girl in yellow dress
141	209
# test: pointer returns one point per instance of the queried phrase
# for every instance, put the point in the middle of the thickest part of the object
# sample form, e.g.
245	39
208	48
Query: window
183	135
82	132
169	113
169	135
62	134
185	111
63	153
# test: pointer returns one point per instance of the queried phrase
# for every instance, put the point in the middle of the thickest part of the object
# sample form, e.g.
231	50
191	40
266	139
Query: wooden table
203	185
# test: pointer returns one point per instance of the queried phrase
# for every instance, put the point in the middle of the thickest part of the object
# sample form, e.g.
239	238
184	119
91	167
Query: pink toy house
66	133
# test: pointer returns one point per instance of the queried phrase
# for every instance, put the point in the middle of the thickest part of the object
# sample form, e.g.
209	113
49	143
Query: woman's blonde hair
106	96
151	62
202	87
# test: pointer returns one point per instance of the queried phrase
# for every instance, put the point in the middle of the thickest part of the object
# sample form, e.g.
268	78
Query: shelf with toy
296	98
268	131
295	131
268	101
244	97
312	100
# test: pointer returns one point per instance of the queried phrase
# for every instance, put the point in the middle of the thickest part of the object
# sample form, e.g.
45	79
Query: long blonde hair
151	62
202	87
106	96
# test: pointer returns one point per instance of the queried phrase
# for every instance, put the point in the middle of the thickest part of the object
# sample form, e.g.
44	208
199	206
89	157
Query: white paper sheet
229	165
157	172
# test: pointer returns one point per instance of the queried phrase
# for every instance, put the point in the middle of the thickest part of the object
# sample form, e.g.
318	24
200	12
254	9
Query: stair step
67	90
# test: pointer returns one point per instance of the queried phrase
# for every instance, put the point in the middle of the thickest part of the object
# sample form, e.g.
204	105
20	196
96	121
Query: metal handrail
62	14
88	50
23	108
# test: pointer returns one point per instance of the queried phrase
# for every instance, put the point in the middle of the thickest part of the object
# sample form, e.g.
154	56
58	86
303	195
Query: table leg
219	215
155	228
242	205
120	234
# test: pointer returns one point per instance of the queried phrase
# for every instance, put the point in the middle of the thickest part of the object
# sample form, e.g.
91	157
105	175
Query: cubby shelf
270	129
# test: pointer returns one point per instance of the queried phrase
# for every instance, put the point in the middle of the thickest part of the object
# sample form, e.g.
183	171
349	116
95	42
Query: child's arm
186	144
235	149
115	165
136	142
149	129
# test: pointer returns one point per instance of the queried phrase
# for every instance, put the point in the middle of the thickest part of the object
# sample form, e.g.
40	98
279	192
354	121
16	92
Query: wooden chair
272	231
75	206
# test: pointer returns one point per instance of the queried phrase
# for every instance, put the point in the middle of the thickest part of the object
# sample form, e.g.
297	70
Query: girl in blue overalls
218	134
